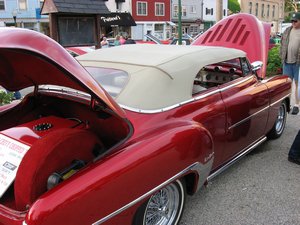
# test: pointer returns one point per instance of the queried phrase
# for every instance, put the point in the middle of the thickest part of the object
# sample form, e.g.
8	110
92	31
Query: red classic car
121	135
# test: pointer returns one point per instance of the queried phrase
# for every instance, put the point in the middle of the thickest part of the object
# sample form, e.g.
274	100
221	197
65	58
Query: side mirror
256	65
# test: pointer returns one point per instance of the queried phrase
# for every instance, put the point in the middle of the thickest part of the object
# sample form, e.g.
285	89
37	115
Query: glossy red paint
242	31
164	137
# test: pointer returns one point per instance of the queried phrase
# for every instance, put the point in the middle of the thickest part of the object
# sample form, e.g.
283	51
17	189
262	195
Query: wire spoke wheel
165	207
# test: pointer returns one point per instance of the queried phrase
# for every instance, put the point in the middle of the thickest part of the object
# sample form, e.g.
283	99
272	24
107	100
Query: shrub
5	98
274	62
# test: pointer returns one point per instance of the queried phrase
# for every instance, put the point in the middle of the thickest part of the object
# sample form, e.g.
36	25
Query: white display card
11	155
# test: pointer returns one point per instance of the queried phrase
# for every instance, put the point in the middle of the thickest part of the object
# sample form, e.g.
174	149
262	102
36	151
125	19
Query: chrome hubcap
163	206
280	119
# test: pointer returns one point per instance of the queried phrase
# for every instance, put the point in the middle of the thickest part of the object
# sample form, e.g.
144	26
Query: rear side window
112	80
216	74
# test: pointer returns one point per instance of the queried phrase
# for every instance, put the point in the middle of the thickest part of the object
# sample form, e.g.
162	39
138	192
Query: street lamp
179	23
14	14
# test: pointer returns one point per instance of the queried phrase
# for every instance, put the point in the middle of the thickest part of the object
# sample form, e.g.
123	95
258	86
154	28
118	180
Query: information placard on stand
11	155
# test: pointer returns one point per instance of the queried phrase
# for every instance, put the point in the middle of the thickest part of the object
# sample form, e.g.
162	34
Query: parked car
122	135
79	50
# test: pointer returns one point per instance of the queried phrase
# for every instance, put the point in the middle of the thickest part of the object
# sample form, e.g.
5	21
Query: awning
171	23
120	19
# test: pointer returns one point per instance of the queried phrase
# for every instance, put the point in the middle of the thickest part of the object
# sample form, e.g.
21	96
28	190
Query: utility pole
219	10
179	23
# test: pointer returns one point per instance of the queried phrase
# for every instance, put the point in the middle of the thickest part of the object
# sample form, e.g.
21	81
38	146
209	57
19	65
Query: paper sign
11	155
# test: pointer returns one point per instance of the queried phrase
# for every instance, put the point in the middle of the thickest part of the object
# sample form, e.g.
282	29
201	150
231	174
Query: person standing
117	41
290	55
104	43
129	41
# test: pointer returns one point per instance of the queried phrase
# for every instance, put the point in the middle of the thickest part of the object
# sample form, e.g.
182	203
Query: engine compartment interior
64	137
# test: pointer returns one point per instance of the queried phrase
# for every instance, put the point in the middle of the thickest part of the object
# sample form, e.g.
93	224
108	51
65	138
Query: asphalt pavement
263	188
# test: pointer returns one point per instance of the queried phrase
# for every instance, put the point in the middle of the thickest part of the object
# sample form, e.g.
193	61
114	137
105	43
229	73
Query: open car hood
28	58
241	31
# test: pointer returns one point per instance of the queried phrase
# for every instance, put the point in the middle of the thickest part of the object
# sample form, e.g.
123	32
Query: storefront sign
119	19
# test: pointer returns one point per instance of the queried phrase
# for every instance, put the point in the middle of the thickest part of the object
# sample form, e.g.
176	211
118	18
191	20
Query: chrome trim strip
238	157
274	103
151	111
237	83
254	114
247	118
194	167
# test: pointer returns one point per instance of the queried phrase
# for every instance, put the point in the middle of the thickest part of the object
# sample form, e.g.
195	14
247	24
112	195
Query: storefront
116	23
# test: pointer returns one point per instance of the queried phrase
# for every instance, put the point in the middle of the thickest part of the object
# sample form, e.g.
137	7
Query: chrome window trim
254	114
65	91
152	111
194	167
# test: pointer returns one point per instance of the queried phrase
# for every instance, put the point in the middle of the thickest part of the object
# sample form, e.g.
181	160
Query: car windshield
112	80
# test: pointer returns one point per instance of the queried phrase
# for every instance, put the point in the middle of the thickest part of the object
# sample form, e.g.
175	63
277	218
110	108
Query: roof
74	6
162	74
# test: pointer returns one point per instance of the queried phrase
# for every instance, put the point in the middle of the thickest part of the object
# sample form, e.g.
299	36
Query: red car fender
128	176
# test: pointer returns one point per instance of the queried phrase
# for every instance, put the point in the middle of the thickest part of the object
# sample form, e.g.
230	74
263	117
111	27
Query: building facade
197	15
270	11
25	14
151	17
157	17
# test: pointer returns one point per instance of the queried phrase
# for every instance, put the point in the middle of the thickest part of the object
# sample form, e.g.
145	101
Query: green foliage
234	6
274	62
5	98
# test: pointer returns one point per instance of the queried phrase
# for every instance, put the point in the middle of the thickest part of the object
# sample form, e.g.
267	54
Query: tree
292	5
234	6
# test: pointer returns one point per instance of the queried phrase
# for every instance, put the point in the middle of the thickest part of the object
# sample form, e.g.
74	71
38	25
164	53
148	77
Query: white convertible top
159	75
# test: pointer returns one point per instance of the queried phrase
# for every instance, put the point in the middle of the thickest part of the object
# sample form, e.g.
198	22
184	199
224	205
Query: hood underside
241	31
28	58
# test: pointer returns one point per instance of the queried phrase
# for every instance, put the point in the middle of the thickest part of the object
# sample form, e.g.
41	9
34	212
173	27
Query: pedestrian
117	41
122	40
290	55
129	40
104	43
102	36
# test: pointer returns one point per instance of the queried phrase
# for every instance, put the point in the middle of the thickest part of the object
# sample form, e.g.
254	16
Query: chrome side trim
247	118
237	83
254	114
274	103
194	167
238	157
151	111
